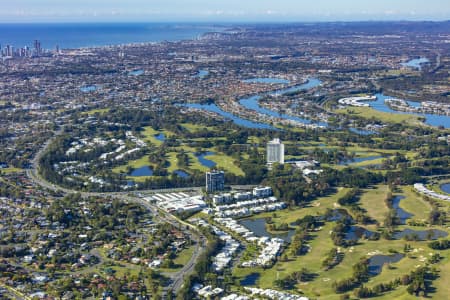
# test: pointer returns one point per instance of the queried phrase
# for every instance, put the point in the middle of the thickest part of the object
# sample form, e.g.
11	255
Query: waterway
252	102
433	120
401	214
237	120
258	226
267	80
446	188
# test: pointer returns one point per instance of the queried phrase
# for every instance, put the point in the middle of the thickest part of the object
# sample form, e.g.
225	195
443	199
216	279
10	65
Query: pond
136	72
202	73
376	262
401	214
355	233
258	226
338	215
205	162
267	80
362	131
416	63
88	88
160	137
446	187
433	120
142	171
359	159
181	173
250	279
422	235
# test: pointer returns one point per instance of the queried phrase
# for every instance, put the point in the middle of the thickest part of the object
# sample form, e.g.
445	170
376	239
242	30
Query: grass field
320	287
414	204
94	111
182	258
194	127
316	207
368	113
372	200
11	170
225	162
149	135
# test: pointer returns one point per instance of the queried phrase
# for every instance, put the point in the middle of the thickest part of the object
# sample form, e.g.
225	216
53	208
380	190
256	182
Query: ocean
79	35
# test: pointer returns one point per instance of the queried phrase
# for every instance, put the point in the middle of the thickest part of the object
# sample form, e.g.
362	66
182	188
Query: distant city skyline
25	11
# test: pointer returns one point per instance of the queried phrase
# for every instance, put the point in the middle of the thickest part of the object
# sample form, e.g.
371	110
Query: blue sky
222	10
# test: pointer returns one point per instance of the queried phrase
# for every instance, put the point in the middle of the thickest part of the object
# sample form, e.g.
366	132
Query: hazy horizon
230	11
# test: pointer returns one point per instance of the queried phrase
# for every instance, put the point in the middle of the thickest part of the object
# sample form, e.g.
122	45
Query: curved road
178	277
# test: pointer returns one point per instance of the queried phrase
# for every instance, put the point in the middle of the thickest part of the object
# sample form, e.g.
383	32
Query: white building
262	192
275	152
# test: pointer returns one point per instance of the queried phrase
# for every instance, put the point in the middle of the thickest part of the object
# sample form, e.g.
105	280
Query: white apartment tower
275	152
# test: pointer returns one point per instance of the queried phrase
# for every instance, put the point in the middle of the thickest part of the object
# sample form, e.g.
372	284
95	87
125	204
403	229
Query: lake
136	72
181	173
377	262
88	88
250	279
359	159
142	171
355	233
422	235
415	63
160	137
258	226
204	161
202	73
362	131
446	187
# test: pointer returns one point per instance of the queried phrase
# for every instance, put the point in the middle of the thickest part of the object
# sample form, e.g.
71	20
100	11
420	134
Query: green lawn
225	162
194	127
94	111
316	207
368	113
11	170
320	287
414	204
182	259
372	200
137	163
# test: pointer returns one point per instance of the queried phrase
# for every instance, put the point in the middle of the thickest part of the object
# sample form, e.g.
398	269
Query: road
177	279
